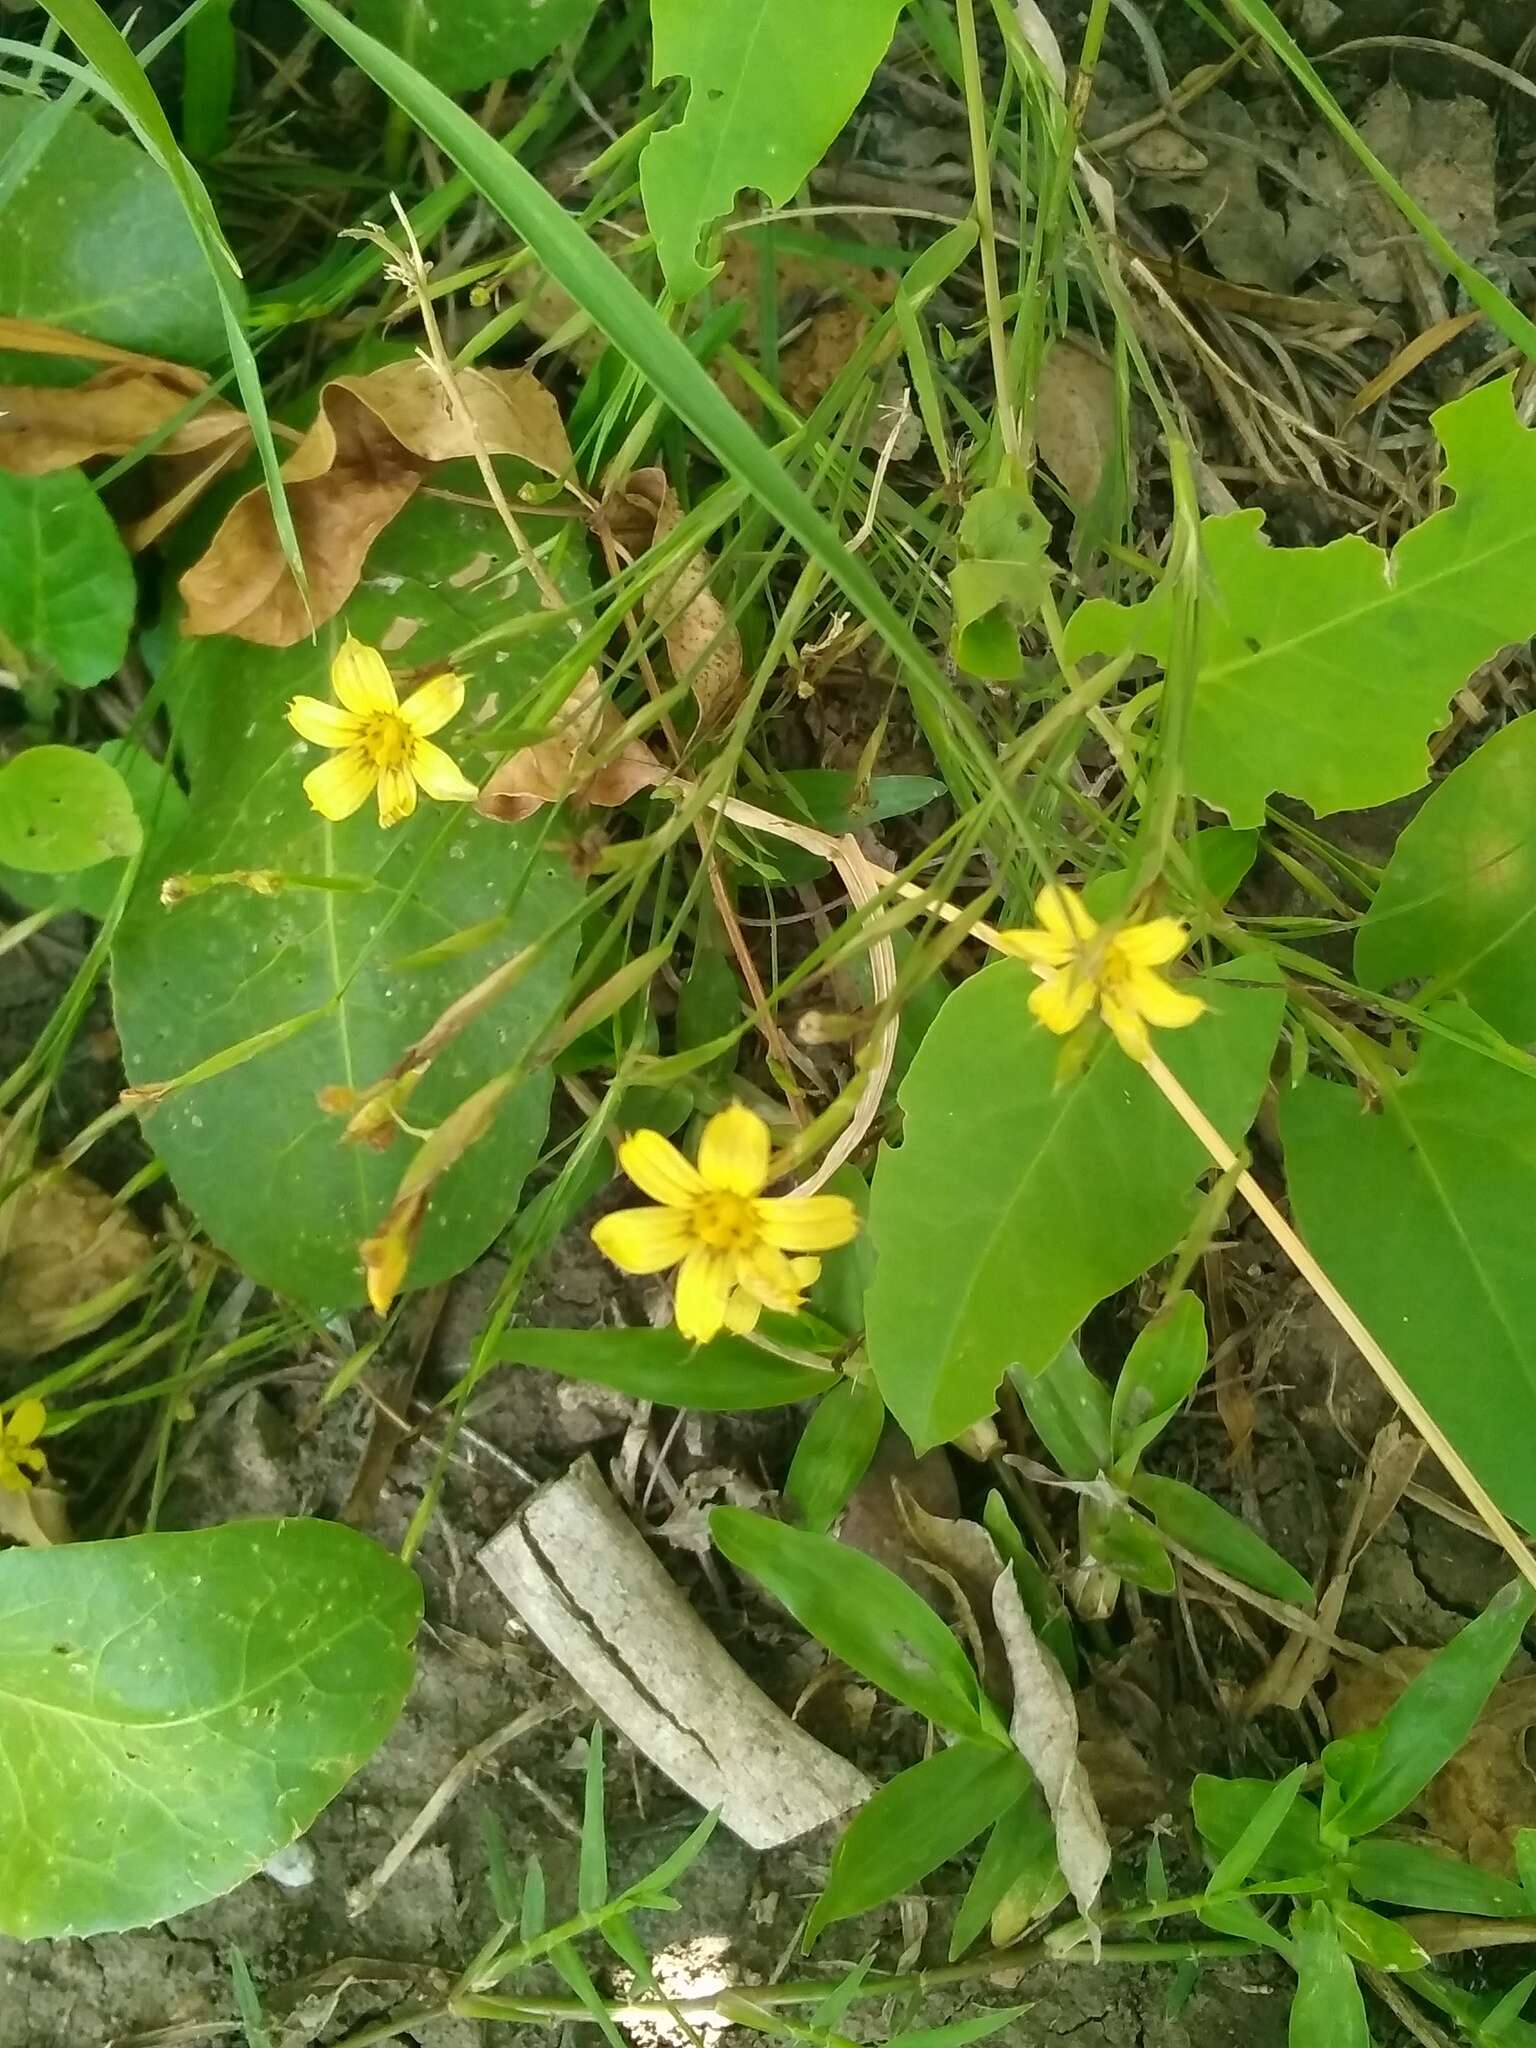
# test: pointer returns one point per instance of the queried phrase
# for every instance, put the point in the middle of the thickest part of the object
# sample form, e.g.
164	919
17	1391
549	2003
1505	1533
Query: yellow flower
20	1461
1113	971
731	1243
381	743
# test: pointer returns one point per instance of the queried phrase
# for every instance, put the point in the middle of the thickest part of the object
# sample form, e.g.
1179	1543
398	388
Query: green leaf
175	1709
96	240
1328	2010
833	1453
768	89
161	808
1222	858
1405	1874
1525	1862
864	1614
1372	1775
1128	1546
592	1868
997	580
1187	1516
462	44
248	1148
62	809
1160	1373
1459	894
1068	1406
958	2033
1018	1864
1321	672
915	1823
727	1374
1014	1185
1421	1213
66	583
1237	1863
1225	1808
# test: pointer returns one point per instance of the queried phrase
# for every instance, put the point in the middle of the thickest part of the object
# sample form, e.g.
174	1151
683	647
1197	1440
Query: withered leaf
1076	415
574	763
703	645
49	427
69	1257
373	441
1045	1731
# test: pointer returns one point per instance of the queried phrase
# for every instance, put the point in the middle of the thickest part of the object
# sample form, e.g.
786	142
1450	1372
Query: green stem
981	170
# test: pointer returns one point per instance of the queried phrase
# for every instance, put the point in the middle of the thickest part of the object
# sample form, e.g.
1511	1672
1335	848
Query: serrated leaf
1370	1776
865	1615
462	44
1016	1188
1457	900
1321	672
916	1822
174	1709
62	809
66	584
96	239
997	581
1424	1213
249	1149
728	1373
768	89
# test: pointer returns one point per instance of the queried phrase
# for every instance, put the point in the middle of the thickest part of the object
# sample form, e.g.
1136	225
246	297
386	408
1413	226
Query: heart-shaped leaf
174	1709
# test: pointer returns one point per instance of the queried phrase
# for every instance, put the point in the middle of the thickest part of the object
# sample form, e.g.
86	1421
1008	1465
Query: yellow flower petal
24	1424
397	796
439	774
733	1152
1152	944
703	1290
806	1271
659	1170
341	785
643	1240
434	703
1063	1002
326	724
385	1260
1159	1001
807	1223
1125	1022
769	1276
361	679
1064	915
741	1312
1045	949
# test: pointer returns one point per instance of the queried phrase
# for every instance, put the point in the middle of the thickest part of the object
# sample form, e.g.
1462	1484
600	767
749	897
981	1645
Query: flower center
387	740
725	1222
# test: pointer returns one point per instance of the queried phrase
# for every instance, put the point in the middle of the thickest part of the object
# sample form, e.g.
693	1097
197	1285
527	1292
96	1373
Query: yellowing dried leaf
1075	413
1044	1729
703	645
69	1257
373	441
573	764
49	427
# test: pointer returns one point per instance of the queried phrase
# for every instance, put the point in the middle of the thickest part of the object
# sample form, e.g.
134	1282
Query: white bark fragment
588	1586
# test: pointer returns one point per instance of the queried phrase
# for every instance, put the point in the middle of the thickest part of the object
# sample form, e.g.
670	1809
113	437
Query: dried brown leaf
1075	414
374	440
573	764
1044	1728
69	1257
49	427
703	645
